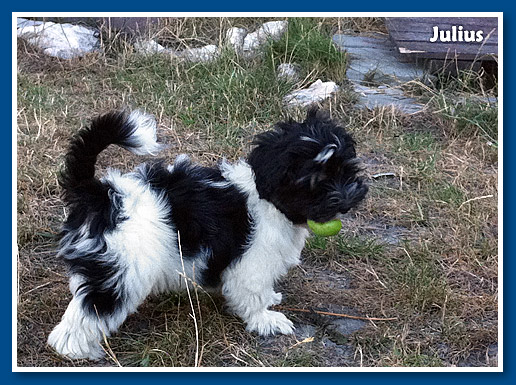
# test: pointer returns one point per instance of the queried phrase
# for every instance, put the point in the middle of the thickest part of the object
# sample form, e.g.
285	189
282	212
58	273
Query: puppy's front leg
249	291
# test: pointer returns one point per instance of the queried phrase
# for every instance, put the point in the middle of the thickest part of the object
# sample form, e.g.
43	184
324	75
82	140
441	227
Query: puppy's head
308	170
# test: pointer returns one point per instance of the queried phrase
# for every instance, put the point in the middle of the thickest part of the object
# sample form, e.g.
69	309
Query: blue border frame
266	6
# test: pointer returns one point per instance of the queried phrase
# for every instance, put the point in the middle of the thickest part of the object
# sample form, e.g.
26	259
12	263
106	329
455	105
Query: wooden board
423	36
411	35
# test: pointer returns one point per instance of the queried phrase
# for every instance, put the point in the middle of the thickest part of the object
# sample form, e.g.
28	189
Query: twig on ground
383	174
475	199
306	340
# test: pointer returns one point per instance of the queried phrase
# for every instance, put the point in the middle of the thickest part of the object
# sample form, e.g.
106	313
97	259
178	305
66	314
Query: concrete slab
374	59
383	96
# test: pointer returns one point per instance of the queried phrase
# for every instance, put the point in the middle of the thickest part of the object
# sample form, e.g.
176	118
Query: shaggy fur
240	226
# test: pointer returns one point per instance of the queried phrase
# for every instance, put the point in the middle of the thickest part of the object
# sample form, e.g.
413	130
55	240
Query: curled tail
135	131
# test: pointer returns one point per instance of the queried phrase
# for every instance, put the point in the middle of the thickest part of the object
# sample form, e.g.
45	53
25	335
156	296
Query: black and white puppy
236	227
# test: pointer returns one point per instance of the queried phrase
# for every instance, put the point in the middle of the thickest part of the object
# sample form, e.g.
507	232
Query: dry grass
422	247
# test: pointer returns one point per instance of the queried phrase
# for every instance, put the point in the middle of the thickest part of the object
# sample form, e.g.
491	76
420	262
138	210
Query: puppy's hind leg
92	314
106	290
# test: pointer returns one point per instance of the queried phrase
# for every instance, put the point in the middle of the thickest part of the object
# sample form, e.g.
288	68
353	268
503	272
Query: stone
134	26
374	60
372	97
288	72
200	55
149	47
346	326
195	55
272	30
65	41
317	92
343	325
235	38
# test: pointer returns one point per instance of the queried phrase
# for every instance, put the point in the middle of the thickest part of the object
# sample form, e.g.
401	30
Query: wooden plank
475	20
446	56
425	36
463	51
425	19
426	24
446	47
411	35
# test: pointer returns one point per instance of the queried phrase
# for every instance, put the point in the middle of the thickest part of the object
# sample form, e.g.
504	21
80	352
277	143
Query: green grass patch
470	117
308	43
448	193
416	141
359	247
420	280
425	167
345	246
220	96
316	242
419	153
418	360
469	81
38	96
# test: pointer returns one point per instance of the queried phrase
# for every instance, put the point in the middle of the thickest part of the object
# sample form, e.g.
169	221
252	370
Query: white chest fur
275	242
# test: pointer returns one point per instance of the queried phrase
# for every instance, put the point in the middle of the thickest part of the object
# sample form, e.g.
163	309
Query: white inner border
15	15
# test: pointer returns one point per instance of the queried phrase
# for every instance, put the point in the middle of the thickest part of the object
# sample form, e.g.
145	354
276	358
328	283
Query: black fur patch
93	213
209	213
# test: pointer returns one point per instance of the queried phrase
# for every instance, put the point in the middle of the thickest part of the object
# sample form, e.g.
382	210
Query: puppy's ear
269	161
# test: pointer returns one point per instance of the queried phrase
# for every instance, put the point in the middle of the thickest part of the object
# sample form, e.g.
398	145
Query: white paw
75	343
270	322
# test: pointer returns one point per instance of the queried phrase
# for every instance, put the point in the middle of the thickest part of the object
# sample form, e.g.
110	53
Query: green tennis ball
325	229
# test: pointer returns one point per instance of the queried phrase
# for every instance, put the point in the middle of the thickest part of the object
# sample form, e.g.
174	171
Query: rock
374	60
65	41
203	54
235	38
288	72
272	30
371	97
200	55
346	326
342	325
317	92
135	26
149	47
492	100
